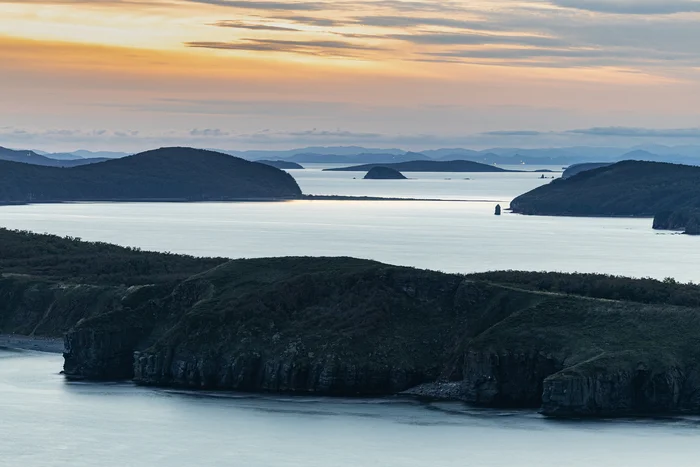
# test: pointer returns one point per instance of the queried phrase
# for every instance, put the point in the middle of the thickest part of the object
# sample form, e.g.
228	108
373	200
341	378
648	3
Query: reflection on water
48	422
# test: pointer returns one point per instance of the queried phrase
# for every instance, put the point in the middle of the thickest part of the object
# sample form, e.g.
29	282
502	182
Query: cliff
629	188
179	174
573	345
684	220
384	173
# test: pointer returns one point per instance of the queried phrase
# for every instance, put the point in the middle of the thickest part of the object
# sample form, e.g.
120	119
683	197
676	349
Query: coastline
37	344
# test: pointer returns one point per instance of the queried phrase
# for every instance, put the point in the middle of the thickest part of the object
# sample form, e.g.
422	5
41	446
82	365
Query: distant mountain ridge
562	156
30	157
426	166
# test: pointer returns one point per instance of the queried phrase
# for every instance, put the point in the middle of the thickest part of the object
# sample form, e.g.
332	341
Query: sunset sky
237	74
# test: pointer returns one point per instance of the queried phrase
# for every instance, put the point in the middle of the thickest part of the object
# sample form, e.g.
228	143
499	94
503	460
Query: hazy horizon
132	74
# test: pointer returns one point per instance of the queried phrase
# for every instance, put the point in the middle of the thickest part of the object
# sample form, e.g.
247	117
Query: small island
384	173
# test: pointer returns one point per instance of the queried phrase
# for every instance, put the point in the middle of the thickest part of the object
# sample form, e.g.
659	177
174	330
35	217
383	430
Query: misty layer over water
47	422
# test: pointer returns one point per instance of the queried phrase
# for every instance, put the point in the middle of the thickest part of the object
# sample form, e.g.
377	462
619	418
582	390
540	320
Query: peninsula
628	188
573	345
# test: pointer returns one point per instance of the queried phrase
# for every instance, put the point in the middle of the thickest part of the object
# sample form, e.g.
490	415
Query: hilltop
574	345
426	166
177	174
384	173
628	188
284	165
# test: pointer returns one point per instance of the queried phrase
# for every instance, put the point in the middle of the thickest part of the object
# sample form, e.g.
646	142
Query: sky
239	74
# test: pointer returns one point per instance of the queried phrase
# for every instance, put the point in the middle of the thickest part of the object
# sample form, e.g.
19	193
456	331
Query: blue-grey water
47	422
447	236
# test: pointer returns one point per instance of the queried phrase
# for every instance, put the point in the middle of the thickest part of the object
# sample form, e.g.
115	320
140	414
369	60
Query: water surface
46	422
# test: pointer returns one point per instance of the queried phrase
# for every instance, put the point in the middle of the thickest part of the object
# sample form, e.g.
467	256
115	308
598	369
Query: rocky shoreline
37	344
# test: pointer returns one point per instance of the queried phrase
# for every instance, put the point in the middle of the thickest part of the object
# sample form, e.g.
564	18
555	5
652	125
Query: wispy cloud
251	26
309	47
640	132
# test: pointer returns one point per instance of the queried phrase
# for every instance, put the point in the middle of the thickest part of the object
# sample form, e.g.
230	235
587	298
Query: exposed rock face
506	379
686	220
253	372
618	391
100	355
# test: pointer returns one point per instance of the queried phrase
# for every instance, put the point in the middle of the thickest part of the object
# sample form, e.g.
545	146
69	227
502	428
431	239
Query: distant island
284	165
31	157
384	173
578	168
628	188
571	344
166	174
426	166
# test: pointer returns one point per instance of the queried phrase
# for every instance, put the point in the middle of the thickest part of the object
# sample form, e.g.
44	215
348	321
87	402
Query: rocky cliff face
593	390
254	372
506	378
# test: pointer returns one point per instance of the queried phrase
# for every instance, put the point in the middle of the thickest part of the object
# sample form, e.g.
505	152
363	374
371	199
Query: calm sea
47	422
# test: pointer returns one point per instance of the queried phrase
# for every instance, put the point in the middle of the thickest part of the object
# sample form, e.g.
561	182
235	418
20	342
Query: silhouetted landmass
426	166
629	188
686	220
178	174
380	158
384	173
30	157
578	168
572	344
284	165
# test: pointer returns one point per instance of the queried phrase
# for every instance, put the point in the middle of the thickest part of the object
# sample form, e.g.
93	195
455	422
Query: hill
426	166
578	168
30	157
384	173
284	165
629	188
574	345
178	174
356	159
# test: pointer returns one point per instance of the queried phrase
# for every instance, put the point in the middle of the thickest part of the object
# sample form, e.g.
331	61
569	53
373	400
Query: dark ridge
284	165
384	173
427	166
166	174
628	188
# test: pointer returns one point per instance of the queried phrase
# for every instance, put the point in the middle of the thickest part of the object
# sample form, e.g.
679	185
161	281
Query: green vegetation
580	344
427	166
178	174
629	188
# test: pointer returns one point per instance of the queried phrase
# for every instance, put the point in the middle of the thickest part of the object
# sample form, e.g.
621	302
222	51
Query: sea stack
498	210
